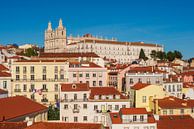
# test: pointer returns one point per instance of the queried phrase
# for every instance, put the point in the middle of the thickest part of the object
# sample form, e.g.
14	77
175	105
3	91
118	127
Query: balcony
44	100
17	90
75	110
44	90
31	90
41	80
74	100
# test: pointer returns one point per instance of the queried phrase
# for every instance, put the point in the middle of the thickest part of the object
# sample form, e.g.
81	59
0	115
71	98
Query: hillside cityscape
90	82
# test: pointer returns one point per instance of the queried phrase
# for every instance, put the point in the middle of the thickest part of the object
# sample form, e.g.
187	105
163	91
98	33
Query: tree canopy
30	52
142	55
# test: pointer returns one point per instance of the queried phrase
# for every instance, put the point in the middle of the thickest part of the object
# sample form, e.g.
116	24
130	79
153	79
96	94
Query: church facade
55	40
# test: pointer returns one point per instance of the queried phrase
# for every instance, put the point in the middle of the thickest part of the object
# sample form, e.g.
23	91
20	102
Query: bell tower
55	41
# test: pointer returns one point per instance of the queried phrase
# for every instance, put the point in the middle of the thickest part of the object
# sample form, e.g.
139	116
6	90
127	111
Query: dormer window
100	96
74	86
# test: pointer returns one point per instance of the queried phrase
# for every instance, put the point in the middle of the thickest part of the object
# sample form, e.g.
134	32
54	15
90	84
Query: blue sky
168	22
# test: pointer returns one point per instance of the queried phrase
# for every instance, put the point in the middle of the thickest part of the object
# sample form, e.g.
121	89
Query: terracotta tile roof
67	55
3	68
13	125
12	107
175	122
188	85
72	87
139	86
83	65
5	74
105	91
173	103
55	125
189	73
3	91
121	43
115	118
130	111
148	69
41	61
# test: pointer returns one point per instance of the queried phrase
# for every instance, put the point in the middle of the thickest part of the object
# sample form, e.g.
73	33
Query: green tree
153	54
53	113
161	55
170	56
142	55
30	52
178	54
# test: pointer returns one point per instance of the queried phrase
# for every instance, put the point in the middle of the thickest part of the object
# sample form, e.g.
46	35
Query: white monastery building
123	52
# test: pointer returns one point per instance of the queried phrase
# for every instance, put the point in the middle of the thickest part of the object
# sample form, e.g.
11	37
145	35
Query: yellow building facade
143	95
39	80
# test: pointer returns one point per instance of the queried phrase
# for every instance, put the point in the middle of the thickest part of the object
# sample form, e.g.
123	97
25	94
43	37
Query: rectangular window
65	97
116	107
164	112
75	119
44	69
66	106
141	118
56	69
74	75
75	96
144	99
94	83
87	75
32	69
32	77
17	77
94	74
43	77
65	119
56	76
131	81
56	87
171	111
80	75
62	76
134	118
100	83
17	69
4	84
182	111
85	106
85	118
95	107
24	69
24	87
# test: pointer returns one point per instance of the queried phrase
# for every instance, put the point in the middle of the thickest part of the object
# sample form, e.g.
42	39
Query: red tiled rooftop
188	85
13	107
13	125
115	118
5	74
41	61
105	91
83	65
175	122
74	87
121	43
129	111
173	102
67	55
55	125
139	86
3	68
